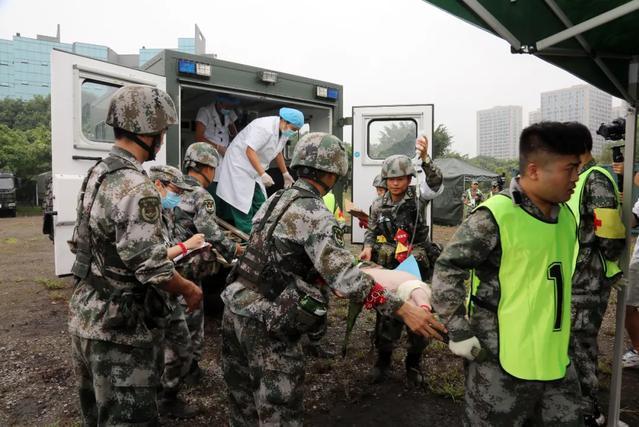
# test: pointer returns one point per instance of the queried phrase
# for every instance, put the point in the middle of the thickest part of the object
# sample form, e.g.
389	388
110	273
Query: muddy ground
37	383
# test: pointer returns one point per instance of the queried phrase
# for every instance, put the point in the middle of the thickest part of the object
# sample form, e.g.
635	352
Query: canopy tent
596	40
448	208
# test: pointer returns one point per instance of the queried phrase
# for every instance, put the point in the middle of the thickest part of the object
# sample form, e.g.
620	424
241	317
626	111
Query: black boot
319	351
195	374
596	418
414	374
380	371
170	405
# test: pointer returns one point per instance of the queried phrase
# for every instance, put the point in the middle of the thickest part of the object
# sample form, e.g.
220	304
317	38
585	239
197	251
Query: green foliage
23	115
442	142
509	167
25	152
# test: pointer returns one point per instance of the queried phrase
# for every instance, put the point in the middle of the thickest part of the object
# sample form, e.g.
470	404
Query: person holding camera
596	206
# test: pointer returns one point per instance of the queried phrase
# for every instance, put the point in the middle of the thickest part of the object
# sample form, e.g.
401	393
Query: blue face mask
287	133
171	200
225	112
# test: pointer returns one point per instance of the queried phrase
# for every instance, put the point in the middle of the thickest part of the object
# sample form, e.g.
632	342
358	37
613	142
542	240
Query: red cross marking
597	222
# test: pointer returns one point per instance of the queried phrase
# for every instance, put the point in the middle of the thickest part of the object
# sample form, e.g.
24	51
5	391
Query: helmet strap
157	140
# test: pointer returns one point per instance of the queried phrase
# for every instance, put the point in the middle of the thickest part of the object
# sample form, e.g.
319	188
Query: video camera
613	131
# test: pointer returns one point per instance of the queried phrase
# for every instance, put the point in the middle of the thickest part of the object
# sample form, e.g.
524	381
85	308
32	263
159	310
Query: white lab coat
237	177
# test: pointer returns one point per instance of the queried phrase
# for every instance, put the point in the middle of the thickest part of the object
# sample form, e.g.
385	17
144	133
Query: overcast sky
382	52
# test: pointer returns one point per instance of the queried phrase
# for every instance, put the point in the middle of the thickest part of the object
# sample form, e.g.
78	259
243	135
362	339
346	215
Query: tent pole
493	23
617	368
587	25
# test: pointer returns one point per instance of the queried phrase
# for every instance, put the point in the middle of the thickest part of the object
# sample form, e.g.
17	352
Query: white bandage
465	348
405	289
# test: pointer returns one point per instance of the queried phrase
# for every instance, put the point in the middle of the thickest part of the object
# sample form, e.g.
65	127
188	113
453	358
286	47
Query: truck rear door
379	132
80	92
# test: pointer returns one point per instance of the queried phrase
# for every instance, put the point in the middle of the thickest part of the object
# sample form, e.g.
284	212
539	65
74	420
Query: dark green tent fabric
613	44
448	208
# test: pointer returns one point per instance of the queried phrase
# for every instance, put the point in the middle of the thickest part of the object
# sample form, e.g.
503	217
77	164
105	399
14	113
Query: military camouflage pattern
128	255
398	165
117	383
196	214
142	110
321	151
170	174
495	399
503	399
590	288
177	348
306	238
264	376
202	153
379	182
386	217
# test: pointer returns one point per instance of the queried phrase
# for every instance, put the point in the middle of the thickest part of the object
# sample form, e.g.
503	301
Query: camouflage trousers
117	383
195	323
388	331
264	376
587	315
495	398
178	352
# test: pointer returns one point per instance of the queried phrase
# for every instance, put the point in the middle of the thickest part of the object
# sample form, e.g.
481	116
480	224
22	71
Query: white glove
406	289
465	348
288	179
267	180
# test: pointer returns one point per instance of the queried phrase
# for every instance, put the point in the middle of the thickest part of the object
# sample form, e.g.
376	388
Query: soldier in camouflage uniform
196	214
178	351
277	290
380	185
118	311
514	291
394	211
601	237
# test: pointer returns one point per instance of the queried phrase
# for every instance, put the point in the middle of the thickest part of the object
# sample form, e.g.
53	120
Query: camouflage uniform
590	288
196	214
116	312
178	350
493	397
262	359
386	218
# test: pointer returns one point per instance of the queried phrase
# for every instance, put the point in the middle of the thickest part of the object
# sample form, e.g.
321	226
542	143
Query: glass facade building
25	62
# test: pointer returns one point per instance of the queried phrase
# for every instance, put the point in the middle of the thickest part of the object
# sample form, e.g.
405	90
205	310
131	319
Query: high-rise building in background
498	130
25	69
534	116
582	103
618	111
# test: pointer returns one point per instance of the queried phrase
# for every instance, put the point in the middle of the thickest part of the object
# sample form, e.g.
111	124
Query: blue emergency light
186	67
326	93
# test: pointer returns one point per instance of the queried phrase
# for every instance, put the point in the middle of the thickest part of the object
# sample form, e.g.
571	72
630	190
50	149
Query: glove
288	179
468	348
267	180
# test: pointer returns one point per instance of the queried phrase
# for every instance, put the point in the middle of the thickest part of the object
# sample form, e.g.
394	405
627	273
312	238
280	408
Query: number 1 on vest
555	274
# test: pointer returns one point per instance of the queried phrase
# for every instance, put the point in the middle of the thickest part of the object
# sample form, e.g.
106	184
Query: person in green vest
521	245
472	197
494	189
602	237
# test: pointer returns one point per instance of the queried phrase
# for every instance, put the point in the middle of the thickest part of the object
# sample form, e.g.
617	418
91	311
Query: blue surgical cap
227	99
293	116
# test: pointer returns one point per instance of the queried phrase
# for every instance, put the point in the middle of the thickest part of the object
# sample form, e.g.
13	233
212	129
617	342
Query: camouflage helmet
379	182
396	166
321	151
202	153
141	110
170	174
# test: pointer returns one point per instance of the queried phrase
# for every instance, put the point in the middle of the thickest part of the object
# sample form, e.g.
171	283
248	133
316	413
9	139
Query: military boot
195	374
170	405
319	351
381	369
414	374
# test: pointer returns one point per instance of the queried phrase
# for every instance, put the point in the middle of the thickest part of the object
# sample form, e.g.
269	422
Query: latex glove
421	147
465	348
267	180
288	179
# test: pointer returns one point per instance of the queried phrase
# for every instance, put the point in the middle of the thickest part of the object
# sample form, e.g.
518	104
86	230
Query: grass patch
57	296
29	210
10	241
51	284
604	365
446	382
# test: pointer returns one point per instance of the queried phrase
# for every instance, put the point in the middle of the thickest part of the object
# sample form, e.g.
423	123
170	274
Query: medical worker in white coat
243	177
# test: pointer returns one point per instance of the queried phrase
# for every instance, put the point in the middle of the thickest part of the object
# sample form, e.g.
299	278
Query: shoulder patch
209	206
149	209
338	235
